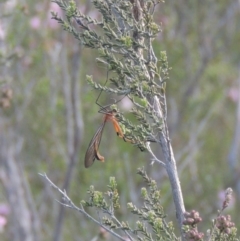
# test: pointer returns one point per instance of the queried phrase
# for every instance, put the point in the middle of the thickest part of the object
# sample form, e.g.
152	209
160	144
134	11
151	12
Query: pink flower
233	94
35	23
53	7
3	222
4	209
126	104
221	199
10	5
2	32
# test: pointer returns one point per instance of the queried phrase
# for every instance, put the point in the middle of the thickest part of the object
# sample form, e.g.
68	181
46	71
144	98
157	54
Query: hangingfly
92	151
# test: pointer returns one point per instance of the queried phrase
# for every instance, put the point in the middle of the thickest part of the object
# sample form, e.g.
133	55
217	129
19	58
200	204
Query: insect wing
92	151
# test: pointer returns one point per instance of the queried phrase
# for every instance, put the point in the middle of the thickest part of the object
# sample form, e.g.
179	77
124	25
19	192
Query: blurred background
48	116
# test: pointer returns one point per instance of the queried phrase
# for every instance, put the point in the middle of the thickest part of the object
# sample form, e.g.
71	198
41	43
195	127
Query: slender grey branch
154	158
69	203
171	168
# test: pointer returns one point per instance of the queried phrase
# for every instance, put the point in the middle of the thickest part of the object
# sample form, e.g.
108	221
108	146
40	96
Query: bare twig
154	158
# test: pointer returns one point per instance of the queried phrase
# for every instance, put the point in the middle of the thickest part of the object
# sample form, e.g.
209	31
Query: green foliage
151	224
123	38
35	71
97	198
152	213
151	221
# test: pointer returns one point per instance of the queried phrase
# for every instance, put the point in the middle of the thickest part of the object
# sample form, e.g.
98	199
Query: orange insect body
92	151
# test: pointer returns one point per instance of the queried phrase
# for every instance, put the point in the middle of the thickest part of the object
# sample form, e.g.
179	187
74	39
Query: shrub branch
123	38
